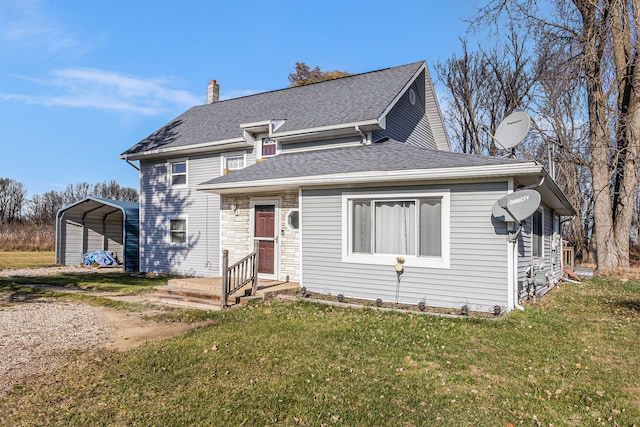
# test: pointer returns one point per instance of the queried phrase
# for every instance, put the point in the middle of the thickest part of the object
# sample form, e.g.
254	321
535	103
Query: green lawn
24	259
571	360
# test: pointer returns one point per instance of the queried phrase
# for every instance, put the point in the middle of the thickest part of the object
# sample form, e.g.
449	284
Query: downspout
512	265
132	165
362	134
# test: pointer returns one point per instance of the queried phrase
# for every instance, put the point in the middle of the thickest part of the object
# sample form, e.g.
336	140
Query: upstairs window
178	173
268	147
232	163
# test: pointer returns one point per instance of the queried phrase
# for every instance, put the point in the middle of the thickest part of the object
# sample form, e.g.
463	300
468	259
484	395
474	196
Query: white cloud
106	90
27	28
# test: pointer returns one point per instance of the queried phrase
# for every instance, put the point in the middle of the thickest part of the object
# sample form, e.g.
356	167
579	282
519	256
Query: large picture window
414	227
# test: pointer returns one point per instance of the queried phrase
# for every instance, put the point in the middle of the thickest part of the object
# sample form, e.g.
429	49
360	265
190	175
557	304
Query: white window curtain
236	162
395	227
361	237
430	227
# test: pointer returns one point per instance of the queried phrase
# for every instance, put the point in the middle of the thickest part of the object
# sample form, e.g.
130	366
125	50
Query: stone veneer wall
236	232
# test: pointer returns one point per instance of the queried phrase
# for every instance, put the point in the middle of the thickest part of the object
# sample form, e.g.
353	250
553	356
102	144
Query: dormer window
268	147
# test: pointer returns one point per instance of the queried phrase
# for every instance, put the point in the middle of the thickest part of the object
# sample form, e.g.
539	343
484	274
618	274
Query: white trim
225	157
186	231
371	177
512	260
443	261
352	125
277	203
170	164
300	278
203	147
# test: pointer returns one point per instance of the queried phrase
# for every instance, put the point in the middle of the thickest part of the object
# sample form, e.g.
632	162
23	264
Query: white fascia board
399	94
260	126
374	123
373	177
222	145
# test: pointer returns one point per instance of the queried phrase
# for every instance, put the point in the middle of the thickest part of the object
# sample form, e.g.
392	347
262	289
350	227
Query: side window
178	171
537	234
178	231
293	219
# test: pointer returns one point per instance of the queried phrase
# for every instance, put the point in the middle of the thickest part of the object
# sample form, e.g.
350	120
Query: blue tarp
101	257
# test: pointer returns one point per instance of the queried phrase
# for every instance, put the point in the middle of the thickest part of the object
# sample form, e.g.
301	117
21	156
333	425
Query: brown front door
265	233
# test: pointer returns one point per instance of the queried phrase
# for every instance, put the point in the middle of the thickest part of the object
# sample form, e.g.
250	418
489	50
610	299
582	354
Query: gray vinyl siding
315	145
525	254
478	253
159	203
434	116
409	123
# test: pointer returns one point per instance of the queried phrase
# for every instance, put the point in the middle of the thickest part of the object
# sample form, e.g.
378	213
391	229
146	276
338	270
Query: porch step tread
178	301
203	294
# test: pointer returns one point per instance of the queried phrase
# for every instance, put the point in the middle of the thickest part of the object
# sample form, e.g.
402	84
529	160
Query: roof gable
344	101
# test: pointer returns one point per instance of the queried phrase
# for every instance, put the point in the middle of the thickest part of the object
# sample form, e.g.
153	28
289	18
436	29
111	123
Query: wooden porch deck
206	293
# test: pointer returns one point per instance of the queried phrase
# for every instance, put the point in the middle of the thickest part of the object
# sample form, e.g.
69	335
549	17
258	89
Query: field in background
26	259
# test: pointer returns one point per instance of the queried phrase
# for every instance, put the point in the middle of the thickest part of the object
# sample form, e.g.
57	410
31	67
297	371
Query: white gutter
373	122
493	171
225	144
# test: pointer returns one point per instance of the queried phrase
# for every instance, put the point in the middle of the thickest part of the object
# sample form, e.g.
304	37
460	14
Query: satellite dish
512	130
516	206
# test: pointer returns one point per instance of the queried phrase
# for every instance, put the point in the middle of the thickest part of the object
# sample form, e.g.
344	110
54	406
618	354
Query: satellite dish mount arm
513	235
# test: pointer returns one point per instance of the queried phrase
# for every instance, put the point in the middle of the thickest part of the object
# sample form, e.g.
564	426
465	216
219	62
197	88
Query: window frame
442	261
274	143
289	214
172	174
535	237
226	169
170	231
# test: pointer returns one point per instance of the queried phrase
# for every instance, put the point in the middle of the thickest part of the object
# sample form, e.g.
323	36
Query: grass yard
570	360
26	259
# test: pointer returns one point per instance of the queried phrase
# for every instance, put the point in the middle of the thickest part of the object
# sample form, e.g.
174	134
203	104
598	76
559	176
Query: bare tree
600	37
12	199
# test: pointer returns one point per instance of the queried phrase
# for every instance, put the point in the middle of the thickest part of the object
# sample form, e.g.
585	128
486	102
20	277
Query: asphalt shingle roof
382	157
351	99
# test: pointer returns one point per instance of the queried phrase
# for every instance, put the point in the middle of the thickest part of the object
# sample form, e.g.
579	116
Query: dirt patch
130	330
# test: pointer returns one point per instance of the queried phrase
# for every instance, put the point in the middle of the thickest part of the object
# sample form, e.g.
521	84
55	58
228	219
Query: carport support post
225	276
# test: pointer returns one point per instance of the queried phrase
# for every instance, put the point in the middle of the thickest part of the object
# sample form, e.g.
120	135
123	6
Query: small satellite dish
512	130
516	206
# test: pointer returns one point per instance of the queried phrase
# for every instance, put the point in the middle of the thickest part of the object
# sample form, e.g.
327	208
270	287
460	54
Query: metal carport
94	223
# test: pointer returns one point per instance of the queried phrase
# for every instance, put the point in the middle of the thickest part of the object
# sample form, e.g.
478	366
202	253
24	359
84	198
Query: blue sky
81	81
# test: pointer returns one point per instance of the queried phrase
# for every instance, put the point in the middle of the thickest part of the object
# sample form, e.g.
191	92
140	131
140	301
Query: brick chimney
213	92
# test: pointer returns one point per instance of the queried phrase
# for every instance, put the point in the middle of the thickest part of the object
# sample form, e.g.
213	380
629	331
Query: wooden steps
206	294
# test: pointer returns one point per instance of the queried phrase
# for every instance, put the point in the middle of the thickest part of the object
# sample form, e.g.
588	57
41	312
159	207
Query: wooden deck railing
568	257
239	274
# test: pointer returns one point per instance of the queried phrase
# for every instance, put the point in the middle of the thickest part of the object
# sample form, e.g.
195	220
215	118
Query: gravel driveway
38	335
